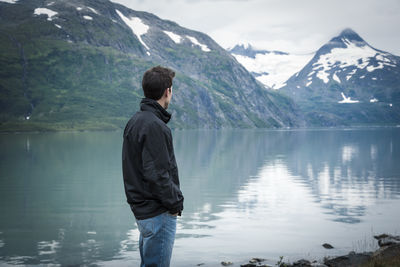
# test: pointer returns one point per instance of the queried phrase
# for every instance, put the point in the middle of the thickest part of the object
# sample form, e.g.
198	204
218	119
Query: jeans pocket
145	227
171	215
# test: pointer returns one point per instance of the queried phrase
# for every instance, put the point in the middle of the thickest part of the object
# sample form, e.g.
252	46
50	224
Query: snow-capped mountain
271	68
79	64
350	65
348	71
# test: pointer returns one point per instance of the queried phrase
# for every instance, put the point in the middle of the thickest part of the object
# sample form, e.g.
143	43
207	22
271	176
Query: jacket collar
151	105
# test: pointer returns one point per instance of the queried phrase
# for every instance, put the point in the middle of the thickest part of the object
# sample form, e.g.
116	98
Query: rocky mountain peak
346	38
246	49
243	49
350	34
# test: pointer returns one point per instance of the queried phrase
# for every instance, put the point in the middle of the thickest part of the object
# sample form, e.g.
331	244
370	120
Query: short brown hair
156	80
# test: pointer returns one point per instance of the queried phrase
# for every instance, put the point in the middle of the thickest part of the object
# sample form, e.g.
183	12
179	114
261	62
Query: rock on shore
387	255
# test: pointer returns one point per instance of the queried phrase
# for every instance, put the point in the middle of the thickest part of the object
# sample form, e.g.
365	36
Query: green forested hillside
68	72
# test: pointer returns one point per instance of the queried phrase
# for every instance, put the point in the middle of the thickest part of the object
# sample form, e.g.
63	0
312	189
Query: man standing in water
150	171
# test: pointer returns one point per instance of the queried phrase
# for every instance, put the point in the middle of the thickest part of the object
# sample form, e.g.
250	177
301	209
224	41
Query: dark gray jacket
148	163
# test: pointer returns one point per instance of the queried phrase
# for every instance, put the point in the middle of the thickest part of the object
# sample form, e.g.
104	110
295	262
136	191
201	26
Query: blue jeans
157	236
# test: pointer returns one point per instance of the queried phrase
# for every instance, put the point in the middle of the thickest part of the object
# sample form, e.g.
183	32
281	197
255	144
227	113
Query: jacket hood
152	105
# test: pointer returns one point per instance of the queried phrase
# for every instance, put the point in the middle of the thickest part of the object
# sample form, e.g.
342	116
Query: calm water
248	193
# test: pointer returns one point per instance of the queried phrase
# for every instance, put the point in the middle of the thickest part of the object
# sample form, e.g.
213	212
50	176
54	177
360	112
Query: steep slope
348	82
271	68
78	65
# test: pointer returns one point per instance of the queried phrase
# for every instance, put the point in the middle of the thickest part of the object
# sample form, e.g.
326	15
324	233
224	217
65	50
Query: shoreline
117	129
388	254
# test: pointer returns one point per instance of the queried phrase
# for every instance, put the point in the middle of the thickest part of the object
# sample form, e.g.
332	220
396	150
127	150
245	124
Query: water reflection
62	199
345	170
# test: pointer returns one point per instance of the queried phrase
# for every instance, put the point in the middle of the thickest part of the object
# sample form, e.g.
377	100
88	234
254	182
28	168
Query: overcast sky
296	26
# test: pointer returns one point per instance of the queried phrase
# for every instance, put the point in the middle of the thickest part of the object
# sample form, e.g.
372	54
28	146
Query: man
150	172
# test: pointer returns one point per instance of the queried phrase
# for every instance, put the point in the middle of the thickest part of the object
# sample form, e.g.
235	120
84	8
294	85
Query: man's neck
161	102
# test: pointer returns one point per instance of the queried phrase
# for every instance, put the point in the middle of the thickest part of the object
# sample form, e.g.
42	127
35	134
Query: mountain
78	65
246	49
271	68
348	82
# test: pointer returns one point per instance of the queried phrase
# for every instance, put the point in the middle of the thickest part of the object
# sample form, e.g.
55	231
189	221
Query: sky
294	26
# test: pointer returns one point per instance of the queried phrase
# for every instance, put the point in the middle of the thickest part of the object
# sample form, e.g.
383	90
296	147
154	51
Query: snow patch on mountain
336	78
174	37
9	1
137	27
275	68
352	55
195	42
347	100
45	11
351	74
372	68
323	76
90	8
93	10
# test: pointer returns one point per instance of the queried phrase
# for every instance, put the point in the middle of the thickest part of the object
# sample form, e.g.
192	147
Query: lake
248	193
